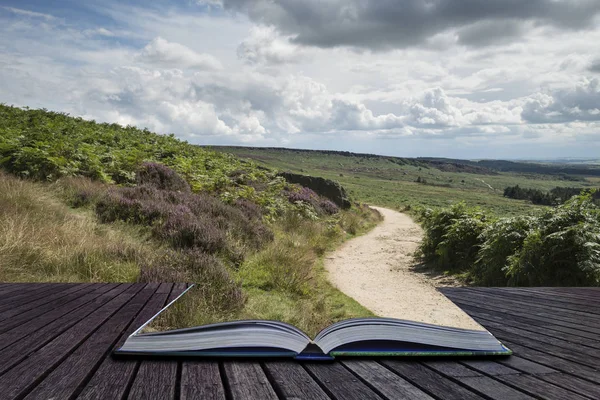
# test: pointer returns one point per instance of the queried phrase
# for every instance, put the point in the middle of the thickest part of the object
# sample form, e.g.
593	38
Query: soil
379	271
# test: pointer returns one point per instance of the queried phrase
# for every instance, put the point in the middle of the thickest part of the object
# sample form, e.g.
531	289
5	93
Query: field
392	182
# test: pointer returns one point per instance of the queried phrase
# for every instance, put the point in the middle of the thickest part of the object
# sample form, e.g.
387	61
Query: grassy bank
90	202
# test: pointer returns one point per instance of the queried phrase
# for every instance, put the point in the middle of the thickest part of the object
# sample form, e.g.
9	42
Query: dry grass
42	239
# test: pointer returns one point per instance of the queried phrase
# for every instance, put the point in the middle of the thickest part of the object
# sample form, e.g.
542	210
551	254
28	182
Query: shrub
500	241
188	220
182	229
563	250
161	177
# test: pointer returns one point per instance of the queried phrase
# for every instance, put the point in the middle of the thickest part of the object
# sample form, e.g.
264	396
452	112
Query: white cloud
31	14
211	77
174	55
265	46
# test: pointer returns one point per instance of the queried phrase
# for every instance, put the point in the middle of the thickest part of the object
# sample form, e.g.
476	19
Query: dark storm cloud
380	24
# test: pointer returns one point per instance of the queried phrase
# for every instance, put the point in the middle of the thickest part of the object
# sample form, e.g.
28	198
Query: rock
323	187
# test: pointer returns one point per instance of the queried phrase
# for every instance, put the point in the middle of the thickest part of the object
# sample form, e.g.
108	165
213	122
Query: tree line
556	196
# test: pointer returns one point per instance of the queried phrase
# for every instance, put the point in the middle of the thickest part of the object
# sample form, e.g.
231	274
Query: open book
353	337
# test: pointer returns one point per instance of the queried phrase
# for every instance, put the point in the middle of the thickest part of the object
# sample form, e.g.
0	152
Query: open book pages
368	336
433	309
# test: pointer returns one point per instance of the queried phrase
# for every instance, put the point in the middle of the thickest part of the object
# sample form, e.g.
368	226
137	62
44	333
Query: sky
445	78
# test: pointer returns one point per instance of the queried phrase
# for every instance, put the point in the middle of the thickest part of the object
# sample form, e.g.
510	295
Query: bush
160	177
188	220
559	247
500	240
564	250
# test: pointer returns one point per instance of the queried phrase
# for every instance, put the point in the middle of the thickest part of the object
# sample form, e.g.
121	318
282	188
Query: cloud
265	46
174	55
384	24
30	14
595	66
581	103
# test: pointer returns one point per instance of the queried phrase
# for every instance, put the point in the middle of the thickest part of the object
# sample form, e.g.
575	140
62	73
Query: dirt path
376	270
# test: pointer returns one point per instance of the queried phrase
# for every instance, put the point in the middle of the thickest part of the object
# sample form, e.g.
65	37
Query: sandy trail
375	270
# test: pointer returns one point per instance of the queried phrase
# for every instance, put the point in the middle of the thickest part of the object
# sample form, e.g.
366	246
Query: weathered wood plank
589	373
477	381
36	313
535	300
147	379
589	339
291	381
12	310
384	381
551	318
429	380
162	375
23	340
24	293
340	383
581	318
16	289
21	378
73	371
246	380
112	379
201	380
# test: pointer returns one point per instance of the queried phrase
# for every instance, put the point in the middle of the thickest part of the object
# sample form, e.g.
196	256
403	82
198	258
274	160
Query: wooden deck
56	341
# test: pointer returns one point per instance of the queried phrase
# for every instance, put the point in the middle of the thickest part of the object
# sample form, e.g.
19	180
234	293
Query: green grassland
391	182
82	201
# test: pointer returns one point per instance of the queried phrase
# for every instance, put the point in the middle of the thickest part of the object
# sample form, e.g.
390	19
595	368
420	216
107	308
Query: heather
102	202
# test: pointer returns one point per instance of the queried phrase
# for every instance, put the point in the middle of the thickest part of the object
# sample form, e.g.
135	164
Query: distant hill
446	164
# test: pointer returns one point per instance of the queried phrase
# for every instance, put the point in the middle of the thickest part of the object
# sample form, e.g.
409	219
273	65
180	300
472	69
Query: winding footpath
376	270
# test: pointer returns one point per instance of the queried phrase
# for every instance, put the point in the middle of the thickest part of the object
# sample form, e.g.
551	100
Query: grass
49	232
286	281
44	240
384	182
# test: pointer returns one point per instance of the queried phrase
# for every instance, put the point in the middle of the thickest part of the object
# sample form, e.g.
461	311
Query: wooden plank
340	383
24	293
576	317
533	299
533	384
21	378
384	381
539	388
162	374
15	309
535	328
573	384
35	334
72	373
477	381
590	338
52	290
36	313
525	365
112	379
144	381
589	373
15	289
555	319
201	380
291	381
430	381
247	380
568	298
